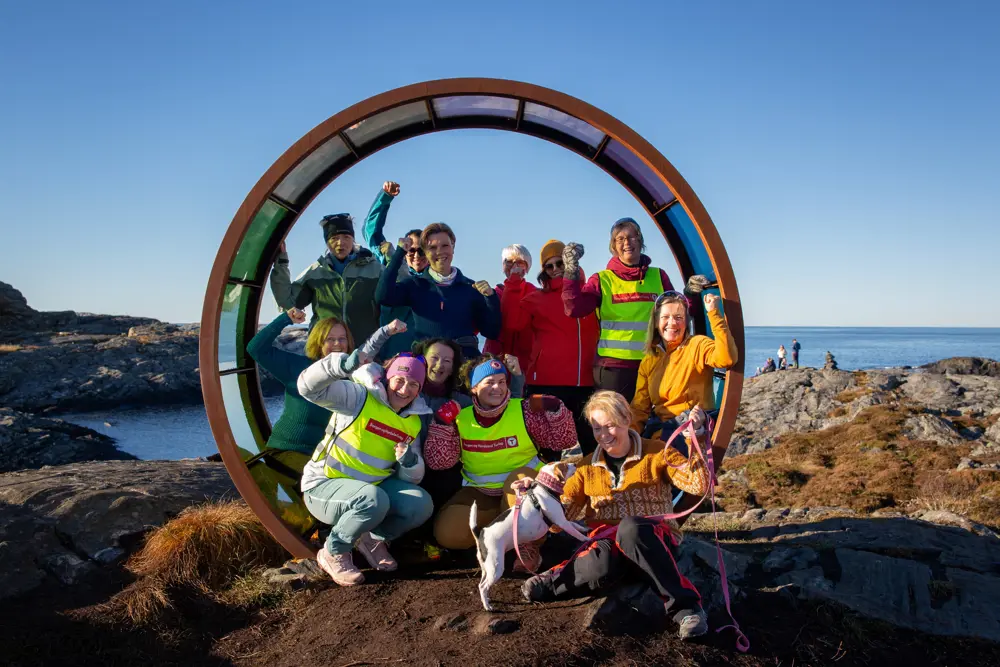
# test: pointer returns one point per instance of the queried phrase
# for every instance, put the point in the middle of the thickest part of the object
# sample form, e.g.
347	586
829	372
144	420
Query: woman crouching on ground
362	479
627	479
497	441
676	374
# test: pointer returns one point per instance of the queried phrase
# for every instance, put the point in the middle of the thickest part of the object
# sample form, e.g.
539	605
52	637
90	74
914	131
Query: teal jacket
350	296
374	235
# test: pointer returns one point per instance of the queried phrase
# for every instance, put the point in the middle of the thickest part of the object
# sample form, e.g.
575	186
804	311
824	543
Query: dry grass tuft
216	550
7	348
864	465
849	395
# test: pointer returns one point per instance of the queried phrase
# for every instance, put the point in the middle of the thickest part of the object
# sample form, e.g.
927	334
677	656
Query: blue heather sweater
456	311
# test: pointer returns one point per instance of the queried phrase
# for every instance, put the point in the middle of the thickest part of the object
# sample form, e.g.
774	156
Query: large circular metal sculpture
229	377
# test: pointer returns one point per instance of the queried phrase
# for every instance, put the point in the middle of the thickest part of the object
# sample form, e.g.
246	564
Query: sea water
183	432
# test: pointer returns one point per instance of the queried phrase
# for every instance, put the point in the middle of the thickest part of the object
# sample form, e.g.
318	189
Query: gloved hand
406	457
571	259
696	284
448	413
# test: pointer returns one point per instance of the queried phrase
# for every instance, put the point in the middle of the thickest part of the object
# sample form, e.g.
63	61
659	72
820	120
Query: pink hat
409	366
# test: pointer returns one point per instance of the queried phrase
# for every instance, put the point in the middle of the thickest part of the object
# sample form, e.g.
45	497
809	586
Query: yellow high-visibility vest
626	306
366	449
490	454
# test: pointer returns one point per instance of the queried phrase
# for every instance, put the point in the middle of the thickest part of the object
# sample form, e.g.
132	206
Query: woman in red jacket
564	347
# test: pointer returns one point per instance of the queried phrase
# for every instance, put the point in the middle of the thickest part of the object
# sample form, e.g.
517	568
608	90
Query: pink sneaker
376	553
340	567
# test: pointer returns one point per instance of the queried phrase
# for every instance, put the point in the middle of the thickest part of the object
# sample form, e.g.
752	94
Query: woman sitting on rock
627	479
676	373
363	477
497	441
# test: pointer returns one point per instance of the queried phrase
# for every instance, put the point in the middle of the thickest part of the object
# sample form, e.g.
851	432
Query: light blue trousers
352	508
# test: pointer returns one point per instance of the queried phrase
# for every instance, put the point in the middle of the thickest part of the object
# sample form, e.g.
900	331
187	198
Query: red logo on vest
485	446
633	297
387	432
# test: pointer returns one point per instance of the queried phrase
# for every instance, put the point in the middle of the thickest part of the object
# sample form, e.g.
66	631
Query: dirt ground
433	618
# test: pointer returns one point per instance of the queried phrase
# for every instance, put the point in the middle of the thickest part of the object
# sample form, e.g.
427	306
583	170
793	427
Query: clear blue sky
848	152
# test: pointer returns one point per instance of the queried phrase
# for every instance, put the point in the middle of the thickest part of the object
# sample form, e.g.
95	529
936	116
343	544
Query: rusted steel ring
232	300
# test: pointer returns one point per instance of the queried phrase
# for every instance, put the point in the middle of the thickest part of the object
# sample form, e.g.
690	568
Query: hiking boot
532	557
539	587
693	625
340	567
376	553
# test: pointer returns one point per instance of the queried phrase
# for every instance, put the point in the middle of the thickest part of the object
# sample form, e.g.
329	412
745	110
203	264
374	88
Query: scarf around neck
443	280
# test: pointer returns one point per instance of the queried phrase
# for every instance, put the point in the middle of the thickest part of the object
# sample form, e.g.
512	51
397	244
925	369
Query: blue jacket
457	311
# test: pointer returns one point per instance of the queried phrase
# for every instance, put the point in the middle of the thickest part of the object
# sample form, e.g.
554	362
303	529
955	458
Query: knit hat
551	249
408	366
484	370
338	223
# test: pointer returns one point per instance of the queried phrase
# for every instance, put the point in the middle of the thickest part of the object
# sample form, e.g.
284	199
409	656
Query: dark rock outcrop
64	522
30	441
965	366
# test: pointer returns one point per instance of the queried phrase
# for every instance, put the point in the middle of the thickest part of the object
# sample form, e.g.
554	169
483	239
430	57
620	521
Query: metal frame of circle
285	190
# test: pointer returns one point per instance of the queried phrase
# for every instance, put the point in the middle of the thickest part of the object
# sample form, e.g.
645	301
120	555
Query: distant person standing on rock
342	282
795	353
782	361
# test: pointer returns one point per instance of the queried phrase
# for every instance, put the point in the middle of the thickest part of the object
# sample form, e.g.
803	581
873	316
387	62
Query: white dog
540	507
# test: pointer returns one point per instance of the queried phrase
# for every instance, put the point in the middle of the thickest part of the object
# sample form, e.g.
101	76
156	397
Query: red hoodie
581	300
564	347
513	341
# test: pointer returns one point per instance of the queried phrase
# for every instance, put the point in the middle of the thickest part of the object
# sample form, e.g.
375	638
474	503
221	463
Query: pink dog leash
517	512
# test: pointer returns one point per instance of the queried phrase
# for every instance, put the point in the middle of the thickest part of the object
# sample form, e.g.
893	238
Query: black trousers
622	380
643	550
574	399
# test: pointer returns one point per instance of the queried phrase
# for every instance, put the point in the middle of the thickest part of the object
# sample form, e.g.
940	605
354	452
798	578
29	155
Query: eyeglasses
672	293
558	264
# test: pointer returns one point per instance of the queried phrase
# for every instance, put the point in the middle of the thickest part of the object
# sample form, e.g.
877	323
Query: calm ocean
173	433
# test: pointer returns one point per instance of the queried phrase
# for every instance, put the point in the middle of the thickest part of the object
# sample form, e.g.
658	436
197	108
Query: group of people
782	365
398	424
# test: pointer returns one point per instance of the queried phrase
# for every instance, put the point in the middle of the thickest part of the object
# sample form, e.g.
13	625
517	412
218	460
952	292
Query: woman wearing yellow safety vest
497	441
362	479
622	295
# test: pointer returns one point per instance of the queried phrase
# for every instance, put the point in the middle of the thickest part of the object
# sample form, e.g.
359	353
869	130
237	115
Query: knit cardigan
643	488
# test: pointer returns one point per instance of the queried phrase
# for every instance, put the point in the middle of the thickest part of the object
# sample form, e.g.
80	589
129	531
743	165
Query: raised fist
696	284
448	412
484	288
572	250
512	364
386	249
405	243
391	188
396	327
712	301
296	315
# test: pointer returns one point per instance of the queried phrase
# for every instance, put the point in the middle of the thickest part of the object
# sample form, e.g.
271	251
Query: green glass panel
263	226
232	346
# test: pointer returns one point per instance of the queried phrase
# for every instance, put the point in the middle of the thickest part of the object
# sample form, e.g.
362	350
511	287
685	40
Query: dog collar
550	483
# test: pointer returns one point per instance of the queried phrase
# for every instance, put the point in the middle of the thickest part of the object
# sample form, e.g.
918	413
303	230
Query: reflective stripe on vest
366	449
625	310
490	454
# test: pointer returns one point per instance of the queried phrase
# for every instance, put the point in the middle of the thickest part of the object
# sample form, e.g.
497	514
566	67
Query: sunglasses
672	293
415	252
558	264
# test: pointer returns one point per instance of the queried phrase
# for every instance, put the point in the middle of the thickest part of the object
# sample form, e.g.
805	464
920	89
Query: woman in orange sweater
627	479
675	374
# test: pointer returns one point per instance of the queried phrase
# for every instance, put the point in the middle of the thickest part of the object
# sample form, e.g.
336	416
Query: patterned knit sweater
644	487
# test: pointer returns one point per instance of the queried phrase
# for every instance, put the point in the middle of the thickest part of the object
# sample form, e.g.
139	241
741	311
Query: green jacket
350	297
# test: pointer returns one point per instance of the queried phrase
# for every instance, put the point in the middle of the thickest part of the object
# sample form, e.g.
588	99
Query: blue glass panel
692	240
232	347
475	105
298	180
557	120
719	385
631	163
387	121
235	397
